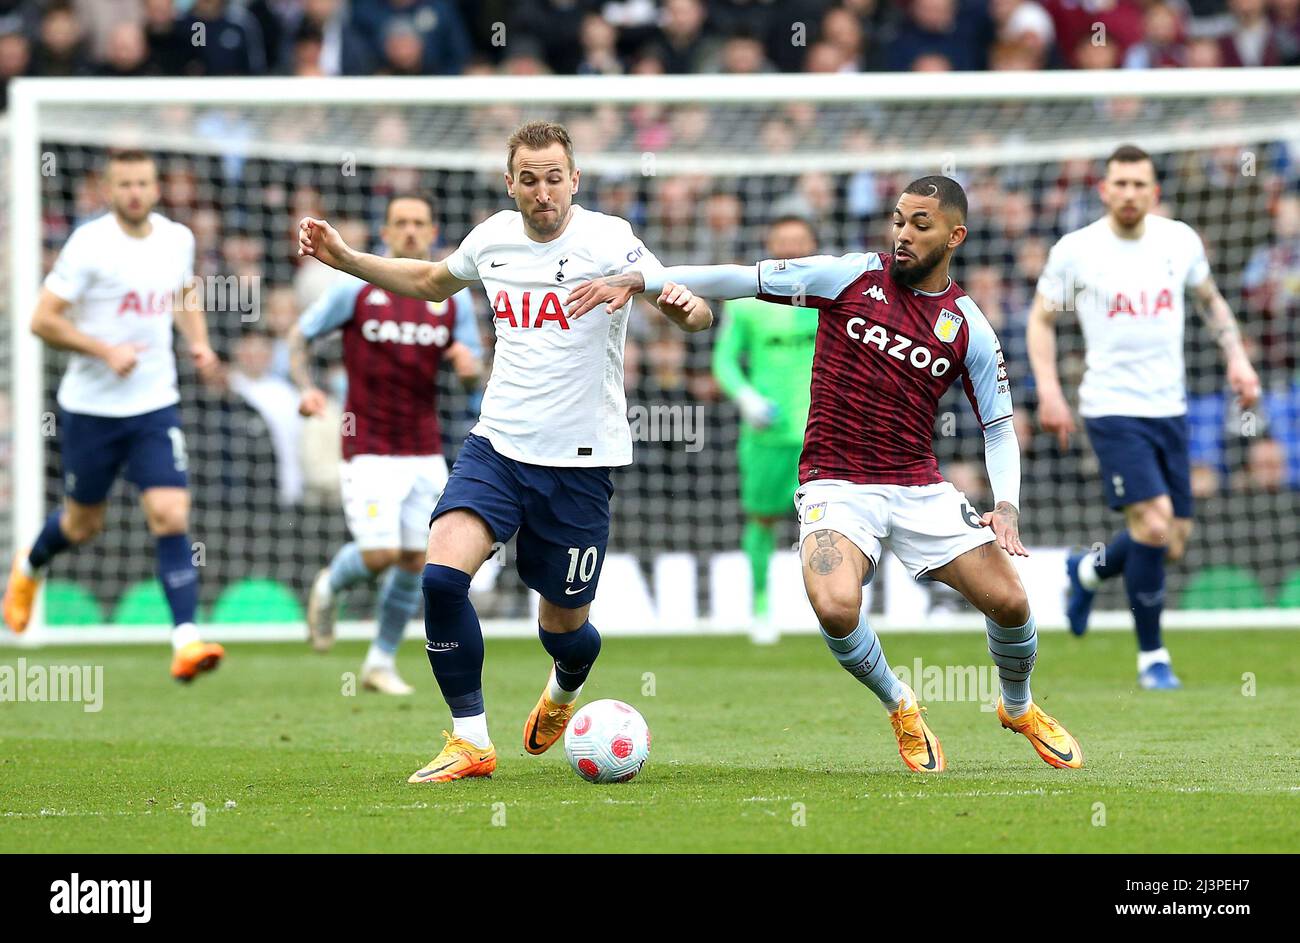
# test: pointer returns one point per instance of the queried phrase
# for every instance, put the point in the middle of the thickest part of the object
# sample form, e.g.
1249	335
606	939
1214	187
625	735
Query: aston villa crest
946	327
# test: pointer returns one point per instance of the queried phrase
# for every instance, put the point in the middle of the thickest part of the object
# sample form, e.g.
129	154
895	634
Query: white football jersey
122	289
1128	294
555	396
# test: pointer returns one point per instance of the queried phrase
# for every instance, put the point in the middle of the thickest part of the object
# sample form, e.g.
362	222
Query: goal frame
28	96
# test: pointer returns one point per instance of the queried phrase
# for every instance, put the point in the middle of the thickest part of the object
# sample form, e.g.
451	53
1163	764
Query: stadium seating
143	603
257	600
1223	587
69	603
1289	596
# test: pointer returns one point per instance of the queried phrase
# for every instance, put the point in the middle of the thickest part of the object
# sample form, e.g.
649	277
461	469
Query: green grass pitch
755	748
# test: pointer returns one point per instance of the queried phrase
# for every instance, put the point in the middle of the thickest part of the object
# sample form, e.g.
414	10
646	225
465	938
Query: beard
545	224
919	270
135	216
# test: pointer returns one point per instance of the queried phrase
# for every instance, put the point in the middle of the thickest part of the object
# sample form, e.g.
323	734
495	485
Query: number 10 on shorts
582	564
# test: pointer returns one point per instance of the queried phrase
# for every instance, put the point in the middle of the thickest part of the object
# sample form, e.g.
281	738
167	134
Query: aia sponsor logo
1140	305
147	305
411	333
896	346
529	311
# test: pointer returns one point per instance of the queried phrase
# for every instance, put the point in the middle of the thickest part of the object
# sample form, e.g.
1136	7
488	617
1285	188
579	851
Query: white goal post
750	146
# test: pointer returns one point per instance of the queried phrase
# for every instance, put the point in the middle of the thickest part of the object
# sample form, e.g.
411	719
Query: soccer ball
607	742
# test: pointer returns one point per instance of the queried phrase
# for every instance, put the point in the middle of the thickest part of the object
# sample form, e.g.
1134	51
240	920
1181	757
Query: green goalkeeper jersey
768	348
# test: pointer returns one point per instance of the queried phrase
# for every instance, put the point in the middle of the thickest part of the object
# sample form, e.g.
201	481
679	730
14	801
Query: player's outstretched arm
51	323
1222	325
1054	414
415	278
710	281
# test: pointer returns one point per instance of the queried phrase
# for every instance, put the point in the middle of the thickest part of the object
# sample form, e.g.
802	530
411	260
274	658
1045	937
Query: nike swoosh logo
1063	757
435	772
930	750
574	592
499	264
532	738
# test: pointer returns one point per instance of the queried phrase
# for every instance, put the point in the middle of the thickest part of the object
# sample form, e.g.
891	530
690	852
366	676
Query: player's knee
167	517
412	561
837	613
444	586
1010	608
377	560
168	521
1152	523
79	528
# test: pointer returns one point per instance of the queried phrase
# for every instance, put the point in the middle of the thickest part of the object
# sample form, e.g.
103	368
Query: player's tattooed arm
613	291
1223	327
1005	521
825	557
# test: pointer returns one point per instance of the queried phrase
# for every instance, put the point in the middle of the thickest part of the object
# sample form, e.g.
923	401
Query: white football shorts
387	499
926	526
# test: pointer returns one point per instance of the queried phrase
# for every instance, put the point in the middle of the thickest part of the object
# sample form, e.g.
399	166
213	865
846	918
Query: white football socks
183	634
473	728
376	657
1156	657
557	694
1088	573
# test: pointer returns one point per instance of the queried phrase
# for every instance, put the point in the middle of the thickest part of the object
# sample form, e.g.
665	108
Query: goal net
699	165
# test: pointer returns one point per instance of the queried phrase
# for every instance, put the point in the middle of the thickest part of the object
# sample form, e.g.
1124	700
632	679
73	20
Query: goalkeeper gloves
756	409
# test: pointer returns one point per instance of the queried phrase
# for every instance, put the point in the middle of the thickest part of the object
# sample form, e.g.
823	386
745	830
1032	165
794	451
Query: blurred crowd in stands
609	37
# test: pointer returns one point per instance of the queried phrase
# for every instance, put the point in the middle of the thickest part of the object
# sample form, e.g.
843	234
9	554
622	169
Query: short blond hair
537	135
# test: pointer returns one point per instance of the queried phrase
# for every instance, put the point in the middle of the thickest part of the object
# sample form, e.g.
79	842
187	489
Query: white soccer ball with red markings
607	742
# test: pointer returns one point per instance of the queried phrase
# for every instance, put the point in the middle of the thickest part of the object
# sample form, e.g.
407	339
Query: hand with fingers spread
1005	521
613	291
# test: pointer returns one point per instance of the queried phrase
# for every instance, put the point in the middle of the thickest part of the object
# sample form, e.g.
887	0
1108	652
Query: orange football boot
1052	741
917	744
546	723
20	594
194	658
458	759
